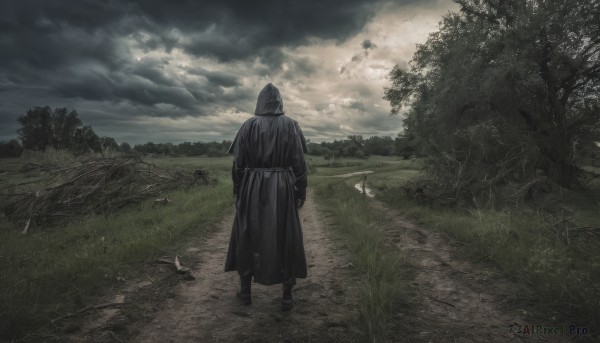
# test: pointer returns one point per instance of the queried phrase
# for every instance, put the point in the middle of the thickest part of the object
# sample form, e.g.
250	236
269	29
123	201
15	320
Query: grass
385	289
565	275
52	271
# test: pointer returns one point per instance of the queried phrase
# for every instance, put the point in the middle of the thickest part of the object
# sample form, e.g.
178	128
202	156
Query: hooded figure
269	178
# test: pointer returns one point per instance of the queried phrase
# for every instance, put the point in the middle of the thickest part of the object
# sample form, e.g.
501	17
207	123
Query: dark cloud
166	40
8	124
238	28
103	56
305	66
368	44
357	105
152	70
272	59
299	67
216	77
84	84
46	33
357	57
223	79
43	40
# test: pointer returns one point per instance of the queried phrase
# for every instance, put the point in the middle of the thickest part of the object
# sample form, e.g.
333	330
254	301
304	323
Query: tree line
358	146
43	128
61	129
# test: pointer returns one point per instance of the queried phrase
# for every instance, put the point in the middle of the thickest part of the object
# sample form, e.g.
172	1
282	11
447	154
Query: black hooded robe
269	174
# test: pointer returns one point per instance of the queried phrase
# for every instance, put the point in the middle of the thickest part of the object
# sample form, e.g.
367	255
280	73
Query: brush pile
94	185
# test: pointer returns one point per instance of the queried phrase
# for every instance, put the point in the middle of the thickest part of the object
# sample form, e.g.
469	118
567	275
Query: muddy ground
458	302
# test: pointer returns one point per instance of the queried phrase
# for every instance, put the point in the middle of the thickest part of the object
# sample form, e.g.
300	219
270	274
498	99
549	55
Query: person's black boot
287	299
245	293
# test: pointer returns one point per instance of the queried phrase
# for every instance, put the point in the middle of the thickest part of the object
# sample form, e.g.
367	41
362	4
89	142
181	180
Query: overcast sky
190	70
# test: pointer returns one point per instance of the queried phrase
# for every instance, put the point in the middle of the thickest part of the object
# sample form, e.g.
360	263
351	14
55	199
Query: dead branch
180	269
85	309
442	301
165	201
590	229
26	226
165	261
93	185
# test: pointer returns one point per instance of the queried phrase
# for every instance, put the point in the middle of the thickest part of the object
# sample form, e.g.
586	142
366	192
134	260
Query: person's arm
236	176
237	148
299	165
300	188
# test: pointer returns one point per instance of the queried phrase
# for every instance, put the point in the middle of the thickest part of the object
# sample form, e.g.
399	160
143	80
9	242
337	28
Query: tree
147	148
86	140
199	149
216	152
36	130
503	90
125	148
358	140
328	155
109	144
379	145
41	128
10	149
404	145
64	127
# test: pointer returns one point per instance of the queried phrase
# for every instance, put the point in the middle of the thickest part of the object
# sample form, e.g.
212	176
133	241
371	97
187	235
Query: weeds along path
461	301
206	309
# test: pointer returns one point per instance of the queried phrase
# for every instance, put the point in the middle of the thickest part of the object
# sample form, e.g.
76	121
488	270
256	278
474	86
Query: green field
55	270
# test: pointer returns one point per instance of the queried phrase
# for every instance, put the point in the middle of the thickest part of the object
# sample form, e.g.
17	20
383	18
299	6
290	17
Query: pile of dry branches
93	185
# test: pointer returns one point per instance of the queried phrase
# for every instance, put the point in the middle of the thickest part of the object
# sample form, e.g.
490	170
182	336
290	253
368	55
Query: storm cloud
191	70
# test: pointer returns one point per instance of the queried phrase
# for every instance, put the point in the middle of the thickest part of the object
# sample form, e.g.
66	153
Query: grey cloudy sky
191	70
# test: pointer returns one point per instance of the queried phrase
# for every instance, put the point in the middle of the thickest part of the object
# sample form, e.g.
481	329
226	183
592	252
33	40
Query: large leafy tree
379	145
60	129
64	127
505	92
36	128
86	140
41	128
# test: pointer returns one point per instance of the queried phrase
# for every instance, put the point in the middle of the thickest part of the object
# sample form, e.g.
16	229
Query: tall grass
565	274
51	271
385	287
522	242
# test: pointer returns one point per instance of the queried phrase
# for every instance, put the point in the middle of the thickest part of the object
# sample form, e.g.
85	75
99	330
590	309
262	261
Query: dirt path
206	310
461	301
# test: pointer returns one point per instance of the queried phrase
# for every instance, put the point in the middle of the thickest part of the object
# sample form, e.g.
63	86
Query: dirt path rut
460	301
206	310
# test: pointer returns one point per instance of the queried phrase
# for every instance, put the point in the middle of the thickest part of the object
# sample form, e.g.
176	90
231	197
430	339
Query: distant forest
43	128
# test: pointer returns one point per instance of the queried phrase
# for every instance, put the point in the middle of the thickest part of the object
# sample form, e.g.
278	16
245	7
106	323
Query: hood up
269	102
